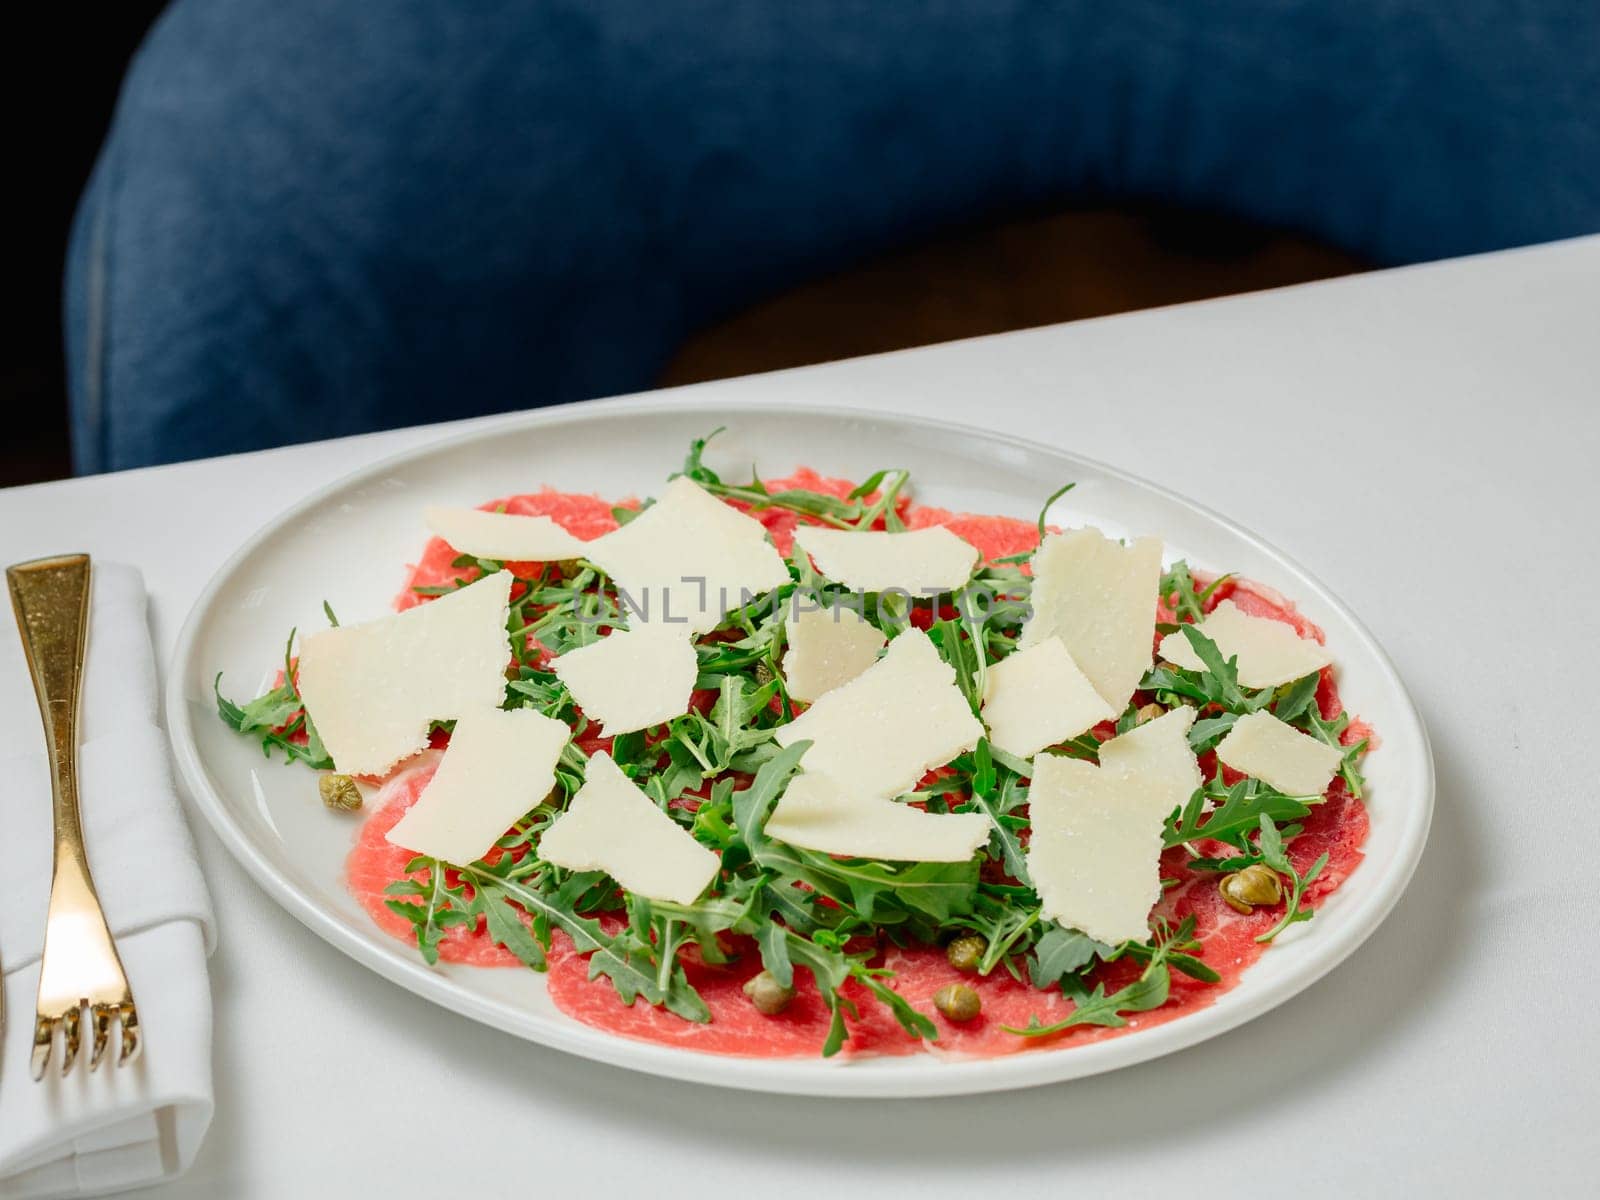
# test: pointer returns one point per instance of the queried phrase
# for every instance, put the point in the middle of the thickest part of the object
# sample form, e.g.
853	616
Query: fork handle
51	599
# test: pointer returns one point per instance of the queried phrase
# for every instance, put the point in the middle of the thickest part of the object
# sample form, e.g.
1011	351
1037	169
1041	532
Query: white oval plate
348	544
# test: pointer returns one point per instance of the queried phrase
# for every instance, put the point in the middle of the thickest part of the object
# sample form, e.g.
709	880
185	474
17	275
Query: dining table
1426	440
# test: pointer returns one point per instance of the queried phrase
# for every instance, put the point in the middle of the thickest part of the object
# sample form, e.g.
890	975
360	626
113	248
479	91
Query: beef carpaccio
821	944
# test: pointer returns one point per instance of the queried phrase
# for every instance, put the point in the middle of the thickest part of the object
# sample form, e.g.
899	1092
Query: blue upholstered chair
314	217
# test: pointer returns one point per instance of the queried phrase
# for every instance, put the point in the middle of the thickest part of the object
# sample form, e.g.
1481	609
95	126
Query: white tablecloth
1426	440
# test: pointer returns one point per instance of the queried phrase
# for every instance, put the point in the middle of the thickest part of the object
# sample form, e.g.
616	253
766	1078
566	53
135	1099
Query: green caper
1256	884
958	1002
339	792
967	951
768	995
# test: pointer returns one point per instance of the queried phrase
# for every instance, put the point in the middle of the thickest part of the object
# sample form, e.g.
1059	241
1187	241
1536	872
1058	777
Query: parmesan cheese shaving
1037	697
1261	746
506	537
921	562
632	679
498	766
614	827
1099	597
1269	652
884	730
1095	853
688	560
816	813
828	647
371	690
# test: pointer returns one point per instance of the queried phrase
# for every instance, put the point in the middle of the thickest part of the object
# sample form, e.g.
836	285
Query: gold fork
80	967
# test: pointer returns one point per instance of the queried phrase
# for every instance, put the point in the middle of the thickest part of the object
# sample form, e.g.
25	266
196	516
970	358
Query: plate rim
804	1076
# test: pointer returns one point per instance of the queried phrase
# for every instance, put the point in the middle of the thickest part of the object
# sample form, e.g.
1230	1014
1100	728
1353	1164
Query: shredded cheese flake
880	733
1269	652
688	560
921	562
1038	697
614	827
818	814
1095	852
1099	597
499	765
506	537
1265	748
828	647
373	689
632	679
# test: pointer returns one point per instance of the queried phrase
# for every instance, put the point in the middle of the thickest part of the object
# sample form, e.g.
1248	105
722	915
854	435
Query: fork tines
101	1017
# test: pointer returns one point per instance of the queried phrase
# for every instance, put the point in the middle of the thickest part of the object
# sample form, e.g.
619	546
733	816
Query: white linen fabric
90	1133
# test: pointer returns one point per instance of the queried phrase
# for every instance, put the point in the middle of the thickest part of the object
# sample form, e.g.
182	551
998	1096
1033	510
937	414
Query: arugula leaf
1019	767
1175	948
1270	846
1205	733
965	655
877	892
885	505
506	927
276	708
275	717
832	967
773	939
1008	918
436	908
1216	684
1149	990
1239	811
752	805
851	513
1044	509
996	790
626	959
694	467
1224	673
1188	600
1332	734
916	1024
1295	699
1060	952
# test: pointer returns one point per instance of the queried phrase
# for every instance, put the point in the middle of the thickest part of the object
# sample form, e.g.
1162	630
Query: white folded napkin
125	1127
